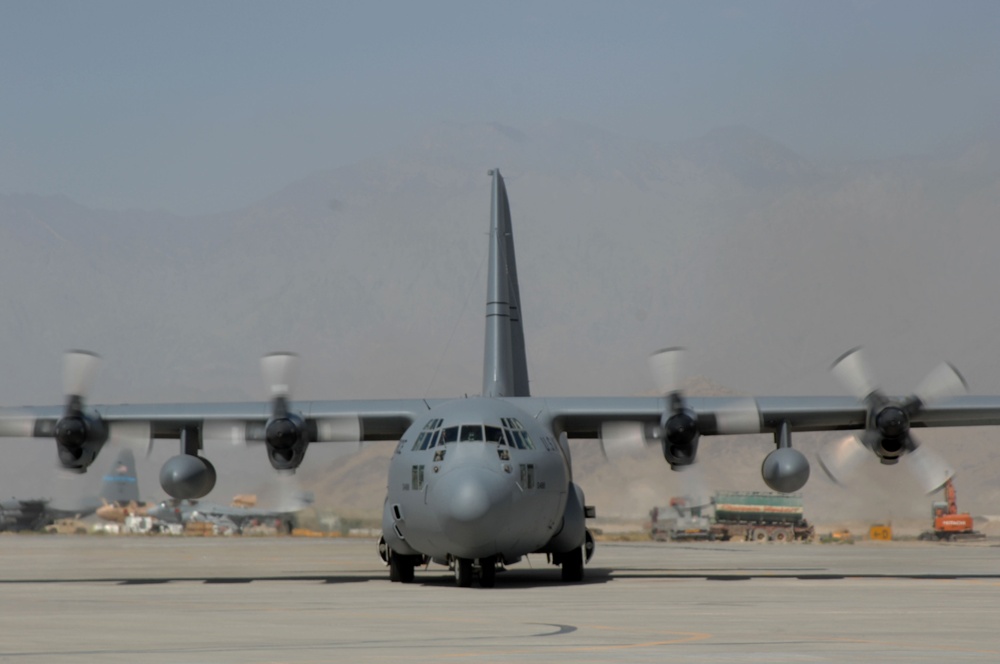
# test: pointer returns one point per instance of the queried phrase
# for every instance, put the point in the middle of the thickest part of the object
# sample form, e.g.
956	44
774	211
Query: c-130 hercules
477	483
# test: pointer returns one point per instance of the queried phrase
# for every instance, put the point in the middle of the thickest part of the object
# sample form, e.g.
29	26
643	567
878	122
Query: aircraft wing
327	421
624	425
284	428
583	417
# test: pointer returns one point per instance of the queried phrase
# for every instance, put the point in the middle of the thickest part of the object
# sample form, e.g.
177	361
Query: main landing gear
572	565
401	567
572	561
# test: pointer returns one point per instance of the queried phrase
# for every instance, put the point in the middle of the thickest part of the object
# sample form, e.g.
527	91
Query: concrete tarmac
73	599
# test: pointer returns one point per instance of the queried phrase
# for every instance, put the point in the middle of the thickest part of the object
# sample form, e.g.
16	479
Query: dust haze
764	264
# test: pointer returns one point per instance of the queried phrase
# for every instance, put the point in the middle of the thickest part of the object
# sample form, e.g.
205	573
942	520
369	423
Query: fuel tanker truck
736	515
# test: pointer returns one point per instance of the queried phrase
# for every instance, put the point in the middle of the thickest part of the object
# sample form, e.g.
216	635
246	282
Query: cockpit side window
428	438
495	435
449	435
472	433
516	434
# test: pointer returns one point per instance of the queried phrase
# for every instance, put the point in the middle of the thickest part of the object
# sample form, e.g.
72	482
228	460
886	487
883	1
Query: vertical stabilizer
120	483
505	365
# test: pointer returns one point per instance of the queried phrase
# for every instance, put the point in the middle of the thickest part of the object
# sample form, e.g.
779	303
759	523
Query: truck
947	523
681	520
750	516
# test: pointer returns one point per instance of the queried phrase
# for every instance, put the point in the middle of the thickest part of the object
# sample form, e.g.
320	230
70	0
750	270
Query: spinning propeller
679	431
80	432
680	428
887	424
286	432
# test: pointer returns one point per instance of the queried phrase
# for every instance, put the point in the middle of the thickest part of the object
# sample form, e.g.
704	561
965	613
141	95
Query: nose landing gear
466	568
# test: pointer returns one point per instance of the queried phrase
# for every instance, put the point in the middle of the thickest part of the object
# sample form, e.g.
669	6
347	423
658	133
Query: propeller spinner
887	429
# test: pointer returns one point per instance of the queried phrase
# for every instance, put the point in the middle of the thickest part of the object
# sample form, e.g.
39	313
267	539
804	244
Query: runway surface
70	599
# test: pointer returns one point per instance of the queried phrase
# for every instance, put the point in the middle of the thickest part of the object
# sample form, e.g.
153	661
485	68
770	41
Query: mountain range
766	264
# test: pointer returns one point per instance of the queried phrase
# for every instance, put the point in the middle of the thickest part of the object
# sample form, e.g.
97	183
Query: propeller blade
694	485
623	439
345	429
737	415
137	436
17	425
840	458
79	367
851	369
665	366
232	433
288	495
943	382
928	468
278	370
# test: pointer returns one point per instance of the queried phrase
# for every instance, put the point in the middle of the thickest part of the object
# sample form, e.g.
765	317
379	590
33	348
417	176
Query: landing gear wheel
487	572
463	572
401	568
572	566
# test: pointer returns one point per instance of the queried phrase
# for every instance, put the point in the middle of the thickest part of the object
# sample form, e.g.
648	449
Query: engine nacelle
286	441
680	438
78	441
187	477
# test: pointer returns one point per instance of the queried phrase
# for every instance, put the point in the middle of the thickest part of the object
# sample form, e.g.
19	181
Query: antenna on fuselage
505	364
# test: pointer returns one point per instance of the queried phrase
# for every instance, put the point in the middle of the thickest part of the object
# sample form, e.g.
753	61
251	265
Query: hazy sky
197	107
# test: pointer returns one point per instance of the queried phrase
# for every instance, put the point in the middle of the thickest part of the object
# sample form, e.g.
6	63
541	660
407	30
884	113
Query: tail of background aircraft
505	364
120	484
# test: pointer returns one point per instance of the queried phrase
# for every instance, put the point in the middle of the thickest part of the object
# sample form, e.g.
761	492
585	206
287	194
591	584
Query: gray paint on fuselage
472	503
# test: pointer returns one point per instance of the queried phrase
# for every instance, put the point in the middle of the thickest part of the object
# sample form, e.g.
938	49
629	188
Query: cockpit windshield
511	434
471	433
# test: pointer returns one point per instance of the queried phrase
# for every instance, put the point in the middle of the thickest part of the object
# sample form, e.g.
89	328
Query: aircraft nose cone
469	501
471	505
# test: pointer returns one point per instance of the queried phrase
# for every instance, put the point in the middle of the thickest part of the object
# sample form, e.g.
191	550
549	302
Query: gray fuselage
476	477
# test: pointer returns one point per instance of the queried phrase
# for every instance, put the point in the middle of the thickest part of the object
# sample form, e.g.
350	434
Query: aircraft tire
572	566
463	572
400	568
488	572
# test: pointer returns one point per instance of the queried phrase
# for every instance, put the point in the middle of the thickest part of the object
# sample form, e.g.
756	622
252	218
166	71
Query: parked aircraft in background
118	487
477	483
241	514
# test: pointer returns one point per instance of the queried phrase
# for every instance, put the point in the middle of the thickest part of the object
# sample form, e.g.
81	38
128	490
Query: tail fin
120	484
505	364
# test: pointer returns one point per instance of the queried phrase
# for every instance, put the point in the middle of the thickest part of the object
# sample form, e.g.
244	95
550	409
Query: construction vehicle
948	523
738	515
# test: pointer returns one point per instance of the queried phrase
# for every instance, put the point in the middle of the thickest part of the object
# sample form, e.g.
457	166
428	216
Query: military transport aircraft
477	483
241	514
